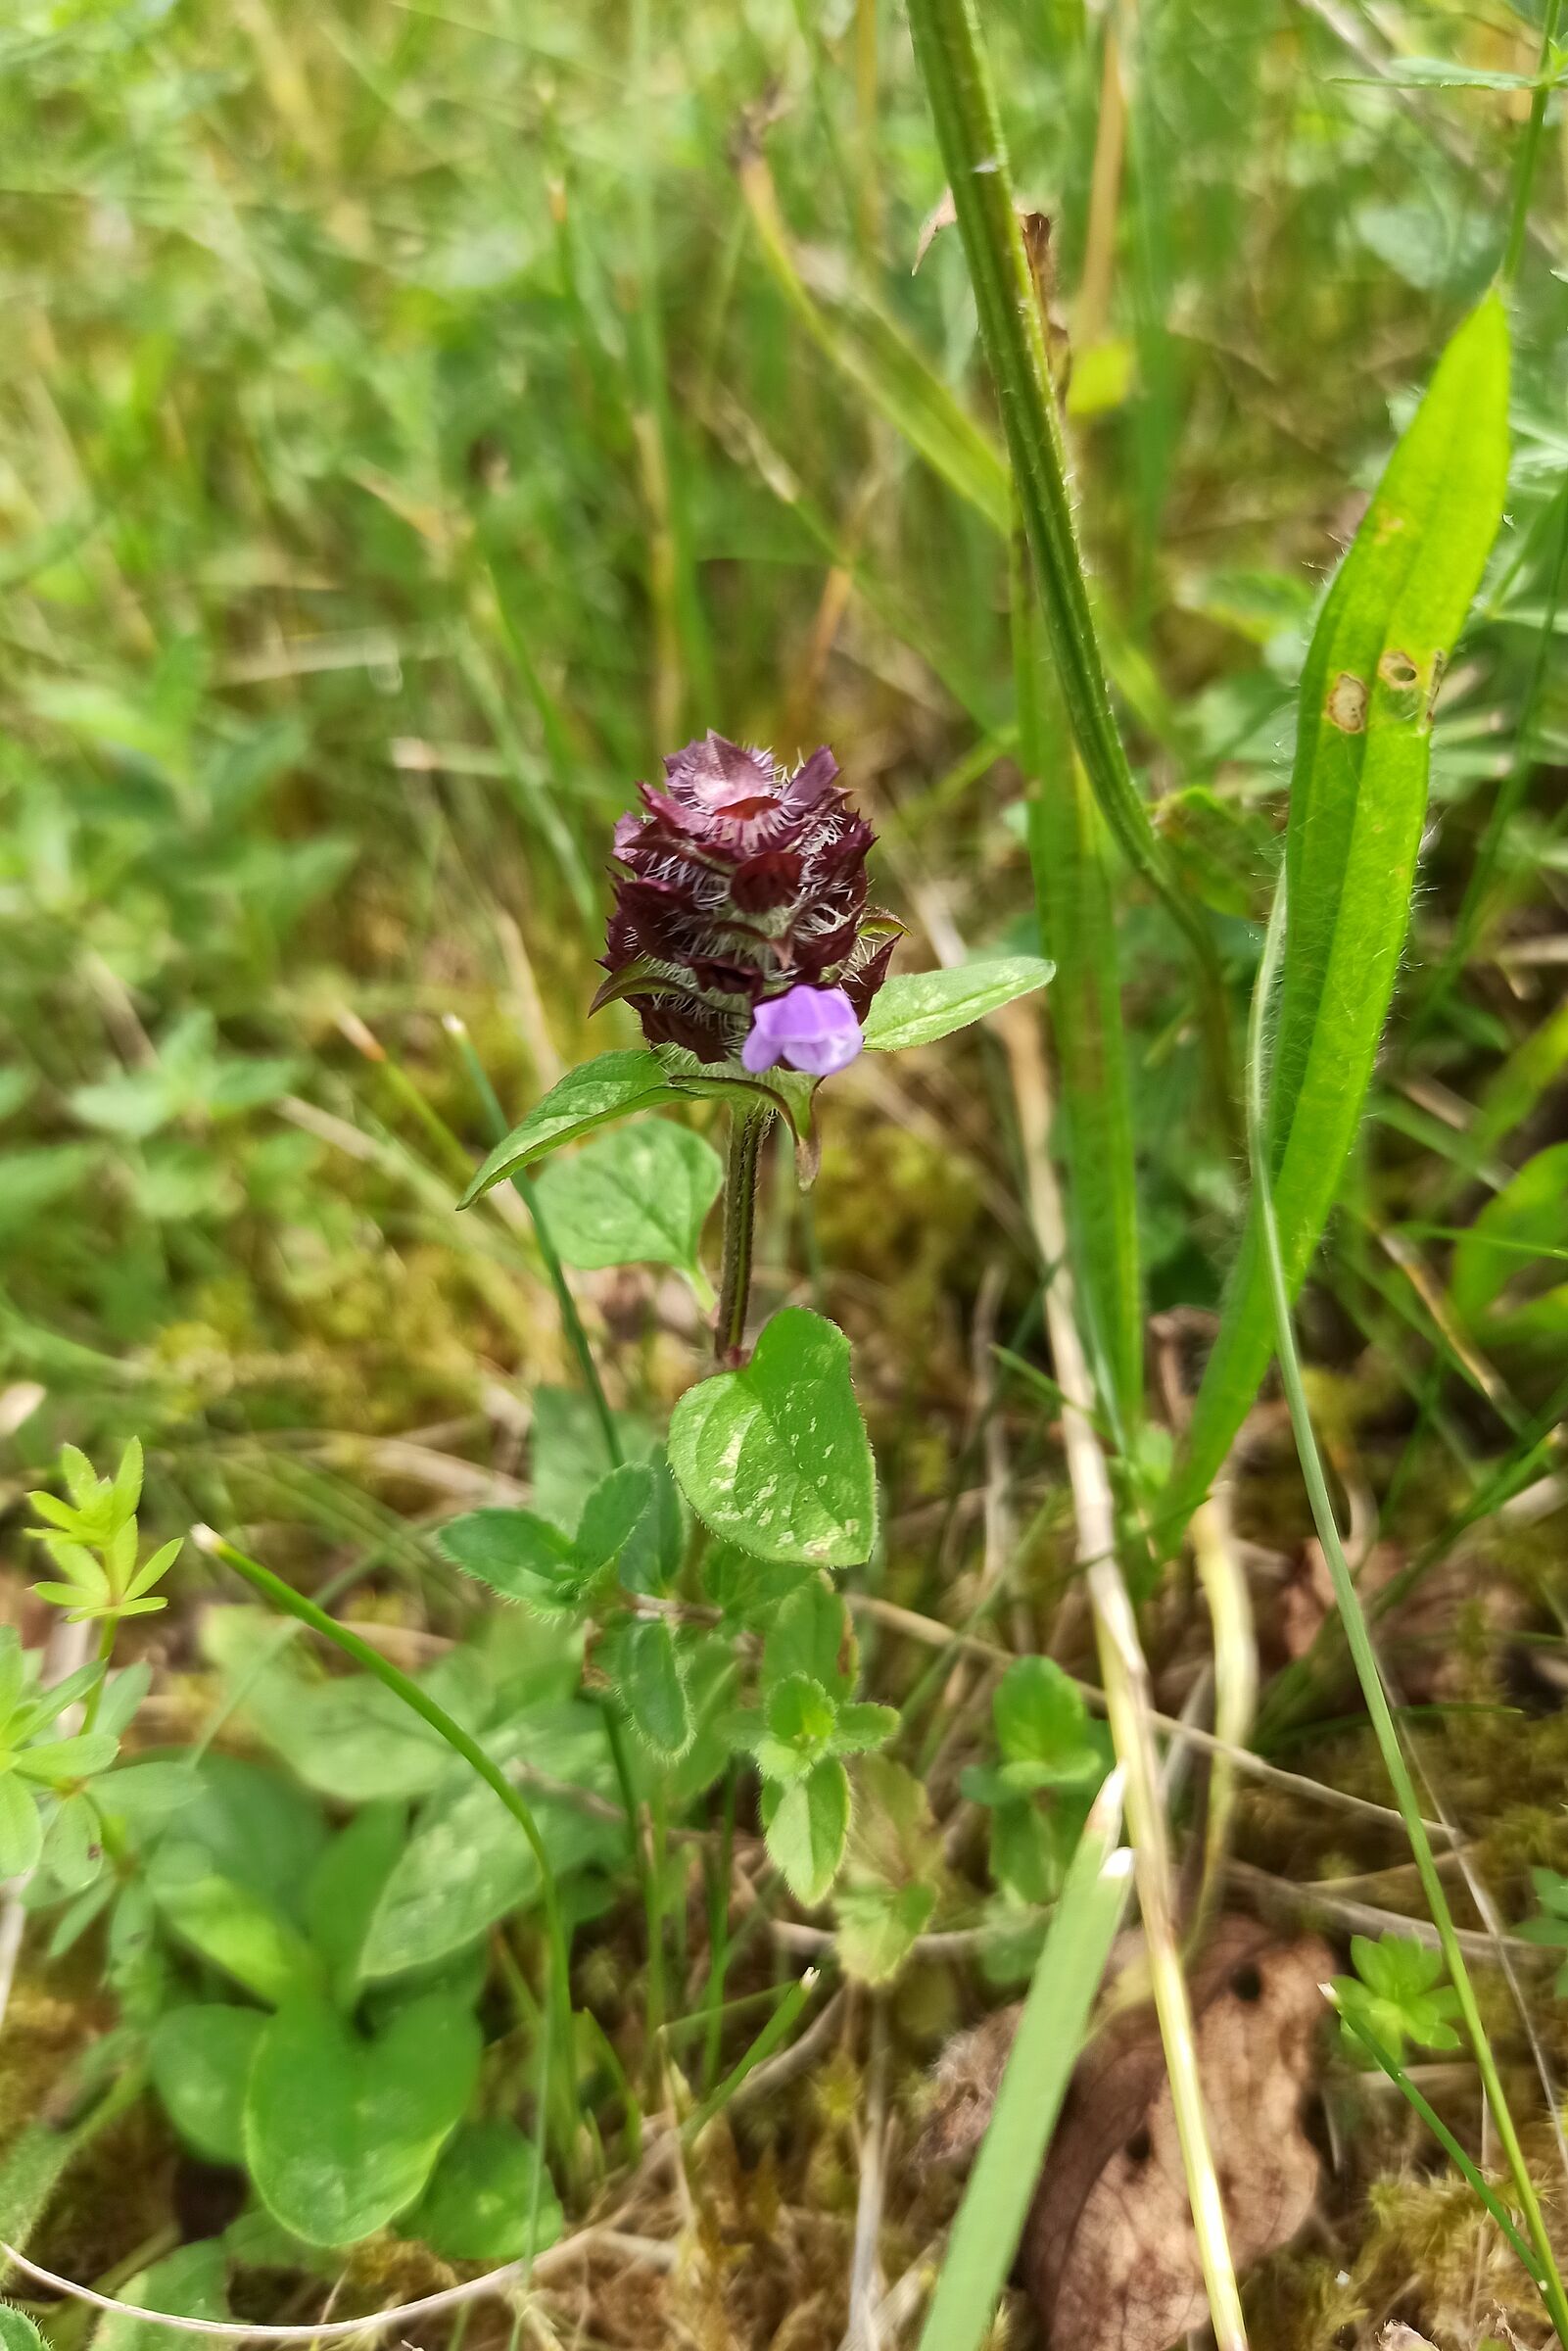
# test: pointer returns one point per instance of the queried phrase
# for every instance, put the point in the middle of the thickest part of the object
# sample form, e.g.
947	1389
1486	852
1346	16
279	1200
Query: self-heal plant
742	937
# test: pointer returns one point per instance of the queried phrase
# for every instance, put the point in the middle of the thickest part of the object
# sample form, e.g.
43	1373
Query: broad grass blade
1358	797
1051	2030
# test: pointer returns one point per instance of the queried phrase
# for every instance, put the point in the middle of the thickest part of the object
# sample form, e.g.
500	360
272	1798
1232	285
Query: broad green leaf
640	1195
191	2282
590	1096
343	1735
468	1863
342	2128
774	1457
1359	796
258	1828
228	1924
201	2061
74	1849
489	2198
893	1868
567	1456
862	1728
807	1829
346	1886
18	2331
652	1686
916	1008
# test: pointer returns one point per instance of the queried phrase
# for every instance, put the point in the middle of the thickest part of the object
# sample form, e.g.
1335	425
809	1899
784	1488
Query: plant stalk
1530	149
968	130
748	1130
1124	1673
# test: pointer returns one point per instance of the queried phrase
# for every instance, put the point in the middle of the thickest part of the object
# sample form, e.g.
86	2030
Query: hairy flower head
744	881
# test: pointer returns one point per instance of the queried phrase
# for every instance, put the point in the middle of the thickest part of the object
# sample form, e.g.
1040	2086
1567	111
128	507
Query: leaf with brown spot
1109	2255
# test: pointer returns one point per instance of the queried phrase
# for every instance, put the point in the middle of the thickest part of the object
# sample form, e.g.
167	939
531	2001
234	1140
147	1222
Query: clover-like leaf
806	1829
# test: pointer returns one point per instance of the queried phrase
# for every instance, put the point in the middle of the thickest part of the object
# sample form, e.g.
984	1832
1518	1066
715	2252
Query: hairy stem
748	1130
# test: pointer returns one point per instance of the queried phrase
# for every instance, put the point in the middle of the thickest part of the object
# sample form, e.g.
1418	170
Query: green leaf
774	1457
610	1087
812	1635
346	1736
610	1515
650	1558
466	1865
652	1687
1040	1720
517	1554
191	2282
1359	796
73	1848
201	2061
863	1728
228	1924
481	2202
637	1196
566	1452
807	1829
56	1760
916	1008
878	1926
18	2331
346	1886
893	1868
1516	1231
21	1830
342	2128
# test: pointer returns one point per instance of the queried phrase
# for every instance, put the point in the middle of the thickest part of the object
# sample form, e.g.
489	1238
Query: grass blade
1358	1635
1357	805
968	130
1051	2030
1070	852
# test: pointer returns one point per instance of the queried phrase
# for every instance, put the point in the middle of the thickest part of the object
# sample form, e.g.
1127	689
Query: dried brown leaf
1109	2253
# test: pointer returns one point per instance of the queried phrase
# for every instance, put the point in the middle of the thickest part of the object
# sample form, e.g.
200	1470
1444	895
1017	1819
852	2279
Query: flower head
741	888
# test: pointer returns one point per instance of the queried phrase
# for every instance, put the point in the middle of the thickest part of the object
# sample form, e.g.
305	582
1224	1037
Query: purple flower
741	887
808	1028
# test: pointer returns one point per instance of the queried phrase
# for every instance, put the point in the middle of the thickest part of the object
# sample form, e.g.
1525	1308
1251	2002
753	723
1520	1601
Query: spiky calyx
743	881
